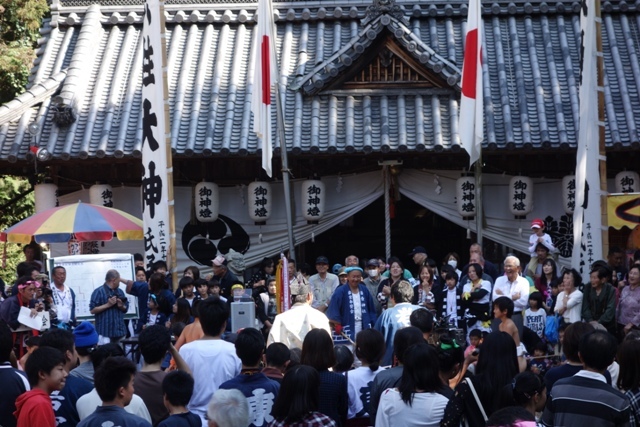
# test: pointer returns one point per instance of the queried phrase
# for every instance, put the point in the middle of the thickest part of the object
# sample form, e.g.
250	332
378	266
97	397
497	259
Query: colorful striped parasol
82	221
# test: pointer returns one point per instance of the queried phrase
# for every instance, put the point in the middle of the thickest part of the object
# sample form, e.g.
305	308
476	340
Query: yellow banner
623	210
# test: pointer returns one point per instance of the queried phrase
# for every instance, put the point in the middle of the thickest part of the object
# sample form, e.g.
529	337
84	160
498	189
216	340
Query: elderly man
225	277
351	308
351	261
63	297
293	325
513	286
109	304
323	284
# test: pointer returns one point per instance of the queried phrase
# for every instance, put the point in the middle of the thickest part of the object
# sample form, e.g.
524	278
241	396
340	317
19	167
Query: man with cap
225	277
351	308
373	281
323	284
293	325
419	256
86	339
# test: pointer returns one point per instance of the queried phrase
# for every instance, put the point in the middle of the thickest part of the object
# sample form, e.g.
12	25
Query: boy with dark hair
451	297
177	388
277	358
114	384
259	390
211	360
64	401
423	320
154	342
503	310
13	381
187	286
46	374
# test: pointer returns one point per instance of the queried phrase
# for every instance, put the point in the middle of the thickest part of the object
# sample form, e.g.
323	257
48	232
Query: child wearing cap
539	236
86	340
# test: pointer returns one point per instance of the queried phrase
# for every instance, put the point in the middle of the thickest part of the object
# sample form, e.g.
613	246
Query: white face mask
373	273
453	263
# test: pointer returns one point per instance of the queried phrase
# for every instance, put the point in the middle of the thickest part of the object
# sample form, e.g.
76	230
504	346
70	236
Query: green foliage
19	24
14	209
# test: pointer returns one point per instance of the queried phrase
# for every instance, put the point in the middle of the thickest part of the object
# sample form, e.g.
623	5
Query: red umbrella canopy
84	221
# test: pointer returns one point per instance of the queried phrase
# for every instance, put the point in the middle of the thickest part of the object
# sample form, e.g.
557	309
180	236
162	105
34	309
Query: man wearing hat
86	339
419	256
225	277
351	308
323	284
293	325
373	281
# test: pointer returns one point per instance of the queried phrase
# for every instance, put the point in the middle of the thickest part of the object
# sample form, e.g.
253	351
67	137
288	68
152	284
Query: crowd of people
364	343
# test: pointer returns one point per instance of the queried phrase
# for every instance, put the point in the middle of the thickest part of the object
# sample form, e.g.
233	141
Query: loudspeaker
243	315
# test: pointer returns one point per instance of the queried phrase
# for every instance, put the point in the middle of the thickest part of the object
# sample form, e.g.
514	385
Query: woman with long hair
181	312
266	270
297	401
416	401
497	366
545	282
318	352
422	292
396	273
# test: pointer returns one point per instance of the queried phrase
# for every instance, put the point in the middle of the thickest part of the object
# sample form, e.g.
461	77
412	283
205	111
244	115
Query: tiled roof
90	58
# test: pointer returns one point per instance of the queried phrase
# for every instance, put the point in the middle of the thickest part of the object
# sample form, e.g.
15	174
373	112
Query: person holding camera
109	304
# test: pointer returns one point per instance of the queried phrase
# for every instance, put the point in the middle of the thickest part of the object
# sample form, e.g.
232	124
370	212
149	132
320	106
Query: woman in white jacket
569	303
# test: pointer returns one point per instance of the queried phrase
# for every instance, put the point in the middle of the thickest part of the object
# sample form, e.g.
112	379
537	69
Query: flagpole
285	167
604	220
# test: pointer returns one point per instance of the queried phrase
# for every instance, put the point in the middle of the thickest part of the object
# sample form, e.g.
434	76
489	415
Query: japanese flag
471	106
265	73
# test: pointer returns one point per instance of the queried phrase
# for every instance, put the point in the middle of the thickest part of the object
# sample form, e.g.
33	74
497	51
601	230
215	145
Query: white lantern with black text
260	197
466	196
569	194
46	196
313	199
520	195
102	195
207	201
627	182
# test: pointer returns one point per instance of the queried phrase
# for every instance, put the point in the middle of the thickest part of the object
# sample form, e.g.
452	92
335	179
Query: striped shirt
109	323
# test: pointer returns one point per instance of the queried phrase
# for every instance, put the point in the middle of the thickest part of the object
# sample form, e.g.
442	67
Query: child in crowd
177	389
540	364
181	313
154	316
451	297
202	289
46	374
370	348
49	305
535	318
344	359
556	288
475	339
214	289
503	310
187	287
539	236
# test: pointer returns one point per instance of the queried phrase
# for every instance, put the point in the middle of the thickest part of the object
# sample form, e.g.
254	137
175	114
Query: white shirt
573	313
63	302
212	362
520	285
452	306
358	384
357	311
323	288
427	409
293	325
88	403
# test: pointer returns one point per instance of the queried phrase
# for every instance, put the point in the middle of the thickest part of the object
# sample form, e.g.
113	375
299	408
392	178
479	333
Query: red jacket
33	408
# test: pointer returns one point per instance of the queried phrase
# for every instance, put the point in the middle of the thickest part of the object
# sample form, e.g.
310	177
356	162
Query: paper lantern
466	196
520	195
46	196
313	199
569	193
102	195
260	197
207	201
627	182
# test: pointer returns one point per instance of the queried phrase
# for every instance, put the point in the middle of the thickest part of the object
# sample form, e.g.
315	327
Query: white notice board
87	272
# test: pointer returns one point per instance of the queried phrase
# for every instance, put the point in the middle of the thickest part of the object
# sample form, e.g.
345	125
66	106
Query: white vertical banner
265	75
587	227
157	185
471	101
